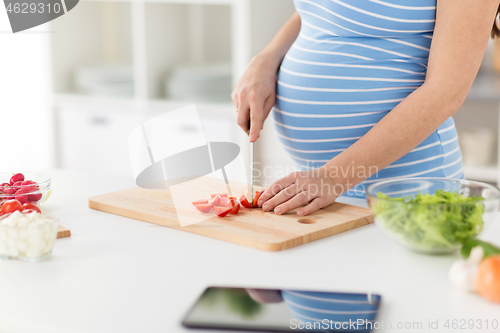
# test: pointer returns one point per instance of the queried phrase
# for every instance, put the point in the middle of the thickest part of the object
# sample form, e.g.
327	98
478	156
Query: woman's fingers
243	115
309	188
256	116
313	206
282	196
252	107
276	188
298	200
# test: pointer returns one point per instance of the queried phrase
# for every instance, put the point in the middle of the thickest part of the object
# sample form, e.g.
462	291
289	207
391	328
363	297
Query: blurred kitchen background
73	89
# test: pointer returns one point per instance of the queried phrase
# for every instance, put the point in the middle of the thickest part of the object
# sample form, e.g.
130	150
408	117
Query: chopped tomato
221	194
11	206
234	205
199	202
256	198
216	200
223	201
204	208
28	207
221	211
244	202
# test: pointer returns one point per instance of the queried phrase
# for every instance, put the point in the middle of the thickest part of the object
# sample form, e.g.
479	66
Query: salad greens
439	221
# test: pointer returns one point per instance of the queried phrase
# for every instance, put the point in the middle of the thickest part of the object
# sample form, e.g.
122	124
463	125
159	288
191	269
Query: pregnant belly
331	91
334	76
326	102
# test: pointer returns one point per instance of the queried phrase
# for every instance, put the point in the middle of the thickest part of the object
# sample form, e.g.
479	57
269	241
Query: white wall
25	87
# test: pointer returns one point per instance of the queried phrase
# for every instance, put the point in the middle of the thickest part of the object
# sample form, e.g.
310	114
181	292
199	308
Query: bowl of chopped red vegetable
432	215
27	189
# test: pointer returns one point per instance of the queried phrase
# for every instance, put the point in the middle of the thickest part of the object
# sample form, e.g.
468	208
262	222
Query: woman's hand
255	94
315	188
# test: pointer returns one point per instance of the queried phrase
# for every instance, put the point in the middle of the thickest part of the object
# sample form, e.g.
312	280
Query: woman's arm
275	51
255	92
460	37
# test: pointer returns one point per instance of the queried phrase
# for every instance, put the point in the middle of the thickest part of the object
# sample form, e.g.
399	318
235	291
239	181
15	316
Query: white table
121	275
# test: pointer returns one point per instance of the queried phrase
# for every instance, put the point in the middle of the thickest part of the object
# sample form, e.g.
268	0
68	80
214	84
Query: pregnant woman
364	90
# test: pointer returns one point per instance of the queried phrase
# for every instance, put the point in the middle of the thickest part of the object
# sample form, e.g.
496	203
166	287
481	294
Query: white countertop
116	274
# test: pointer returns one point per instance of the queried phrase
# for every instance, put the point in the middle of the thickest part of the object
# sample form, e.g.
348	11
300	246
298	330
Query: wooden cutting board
62	232
250	227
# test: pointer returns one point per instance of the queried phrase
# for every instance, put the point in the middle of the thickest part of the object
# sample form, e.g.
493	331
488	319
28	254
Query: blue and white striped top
352	63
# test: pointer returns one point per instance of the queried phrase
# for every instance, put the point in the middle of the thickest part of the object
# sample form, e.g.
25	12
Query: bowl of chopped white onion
27	237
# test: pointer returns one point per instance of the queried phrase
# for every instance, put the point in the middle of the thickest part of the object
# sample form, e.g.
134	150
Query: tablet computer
273	310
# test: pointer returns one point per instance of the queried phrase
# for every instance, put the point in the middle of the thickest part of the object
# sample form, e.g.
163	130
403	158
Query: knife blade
251	168
251	164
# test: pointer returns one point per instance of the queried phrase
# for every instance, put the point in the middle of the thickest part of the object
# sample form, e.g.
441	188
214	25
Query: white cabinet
92	140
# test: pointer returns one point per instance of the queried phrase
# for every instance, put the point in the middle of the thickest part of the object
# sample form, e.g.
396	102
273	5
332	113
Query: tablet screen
275	310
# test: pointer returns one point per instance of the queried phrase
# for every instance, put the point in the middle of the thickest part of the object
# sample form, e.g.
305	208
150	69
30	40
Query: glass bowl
38	196
27	241
428	224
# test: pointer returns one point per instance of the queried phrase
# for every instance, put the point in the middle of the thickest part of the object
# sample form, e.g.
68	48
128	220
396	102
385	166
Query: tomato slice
216	200
221	211
27	207
204	208
199	202
244	202
234	205
221	194
223	201
256	198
